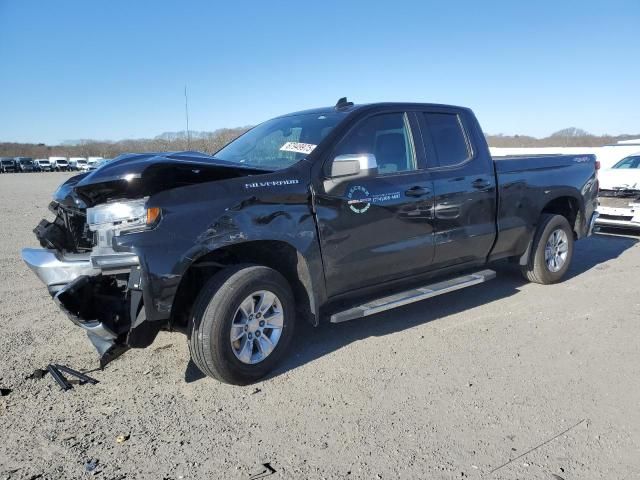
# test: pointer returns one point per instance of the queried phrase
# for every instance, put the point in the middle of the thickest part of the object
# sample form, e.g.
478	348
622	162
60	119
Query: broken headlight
126	215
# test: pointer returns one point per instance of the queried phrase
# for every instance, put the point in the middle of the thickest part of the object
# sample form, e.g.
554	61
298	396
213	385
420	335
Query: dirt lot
455	387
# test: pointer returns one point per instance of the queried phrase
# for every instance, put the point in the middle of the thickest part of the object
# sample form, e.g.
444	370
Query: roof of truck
362	106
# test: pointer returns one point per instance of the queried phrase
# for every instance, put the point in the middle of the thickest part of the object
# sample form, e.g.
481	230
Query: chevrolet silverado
328	214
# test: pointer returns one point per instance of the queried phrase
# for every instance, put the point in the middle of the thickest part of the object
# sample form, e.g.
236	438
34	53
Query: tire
538	269
217	307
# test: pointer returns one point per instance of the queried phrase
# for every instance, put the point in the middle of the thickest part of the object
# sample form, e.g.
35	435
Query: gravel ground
501	381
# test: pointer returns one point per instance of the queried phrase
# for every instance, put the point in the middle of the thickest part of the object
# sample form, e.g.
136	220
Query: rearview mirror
360	164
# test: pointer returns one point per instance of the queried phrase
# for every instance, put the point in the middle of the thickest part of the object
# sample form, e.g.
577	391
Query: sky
116	69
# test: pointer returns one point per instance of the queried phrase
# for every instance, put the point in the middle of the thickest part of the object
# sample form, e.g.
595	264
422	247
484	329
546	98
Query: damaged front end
619	207
99	289
113	256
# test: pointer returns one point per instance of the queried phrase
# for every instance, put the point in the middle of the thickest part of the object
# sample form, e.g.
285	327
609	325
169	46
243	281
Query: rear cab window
448	137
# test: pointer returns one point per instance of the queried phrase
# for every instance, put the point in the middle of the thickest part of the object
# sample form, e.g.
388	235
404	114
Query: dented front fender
200	219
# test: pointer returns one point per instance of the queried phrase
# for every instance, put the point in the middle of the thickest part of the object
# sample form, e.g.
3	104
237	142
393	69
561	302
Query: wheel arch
567	204
276	254
570	207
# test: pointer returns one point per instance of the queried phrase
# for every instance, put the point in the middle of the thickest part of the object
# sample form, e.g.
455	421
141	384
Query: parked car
78	163
8	165
25	164
59	164
304	217
42	165
619	196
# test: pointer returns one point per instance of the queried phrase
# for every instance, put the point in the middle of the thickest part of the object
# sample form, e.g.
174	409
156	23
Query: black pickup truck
335	213
25	164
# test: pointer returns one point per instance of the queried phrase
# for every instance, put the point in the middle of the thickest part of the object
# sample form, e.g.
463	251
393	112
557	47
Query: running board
410	296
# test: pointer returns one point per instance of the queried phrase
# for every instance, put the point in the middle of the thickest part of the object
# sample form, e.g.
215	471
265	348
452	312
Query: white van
78	163
42	165
59	164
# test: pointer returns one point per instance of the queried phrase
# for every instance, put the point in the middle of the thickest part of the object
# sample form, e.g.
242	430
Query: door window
449	138
386	136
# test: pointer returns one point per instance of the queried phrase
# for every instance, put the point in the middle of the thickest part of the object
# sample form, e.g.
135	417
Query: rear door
378	228
464	186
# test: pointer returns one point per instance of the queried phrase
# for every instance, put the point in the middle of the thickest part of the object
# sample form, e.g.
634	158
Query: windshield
82	162
7	162
629	162
280	142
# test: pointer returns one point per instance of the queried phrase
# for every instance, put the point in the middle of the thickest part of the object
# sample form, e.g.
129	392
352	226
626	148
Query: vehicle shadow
311	343
600	248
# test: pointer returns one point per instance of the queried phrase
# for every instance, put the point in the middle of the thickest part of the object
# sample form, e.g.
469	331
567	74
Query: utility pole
186	112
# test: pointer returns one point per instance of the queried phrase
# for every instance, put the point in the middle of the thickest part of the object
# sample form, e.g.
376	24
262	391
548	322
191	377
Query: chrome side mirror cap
360	164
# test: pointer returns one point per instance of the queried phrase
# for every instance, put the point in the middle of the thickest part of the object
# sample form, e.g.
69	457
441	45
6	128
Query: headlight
122	215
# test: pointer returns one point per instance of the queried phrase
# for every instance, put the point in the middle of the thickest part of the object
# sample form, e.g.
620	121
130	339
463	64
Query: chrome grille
615	202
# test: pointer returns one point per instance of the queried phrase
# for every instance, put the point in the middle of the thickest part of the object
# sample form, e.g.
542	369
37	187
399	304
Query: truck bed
527	183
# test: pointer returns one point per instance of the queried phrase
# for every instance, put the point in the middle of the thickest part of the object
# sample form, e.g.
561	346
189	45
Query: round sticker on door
359	199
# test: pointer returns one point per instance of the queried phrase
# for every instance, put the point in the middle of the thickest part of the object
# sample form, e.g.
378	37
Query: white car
619	197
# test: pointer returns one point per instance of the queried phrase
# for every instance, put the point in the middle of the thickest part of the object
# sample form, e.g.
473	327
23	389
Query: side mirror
360	164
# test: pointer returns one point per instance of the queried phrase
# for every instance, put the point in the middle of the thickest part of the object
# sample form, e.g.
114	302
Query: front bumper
619	217
93	291
55	270
619	223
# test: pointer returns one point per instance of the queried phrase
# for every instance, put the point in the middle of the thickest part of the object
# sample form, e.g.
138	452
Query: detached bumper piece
98	306
59	378
56	372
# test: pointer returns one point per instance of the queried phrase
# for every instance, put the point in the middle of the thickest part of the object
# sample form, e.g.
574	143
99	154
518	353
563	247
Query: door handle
417	191
480	184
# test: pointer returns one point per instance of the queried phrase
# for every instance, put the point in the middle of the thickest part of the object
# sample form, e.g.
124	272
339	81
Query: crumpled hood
143	174
620	178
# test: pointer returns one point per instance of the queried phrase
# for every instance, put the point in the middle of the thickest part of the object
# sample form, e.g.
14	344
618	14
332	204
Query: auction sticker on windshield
298	147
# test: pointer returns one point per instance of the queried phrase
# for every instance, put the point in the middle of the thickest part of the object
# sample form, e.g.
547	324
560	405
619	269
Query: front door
377	228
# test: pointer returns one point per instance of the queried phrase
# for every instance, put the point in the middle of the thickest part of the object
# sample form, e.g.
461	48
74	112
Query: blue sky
117	69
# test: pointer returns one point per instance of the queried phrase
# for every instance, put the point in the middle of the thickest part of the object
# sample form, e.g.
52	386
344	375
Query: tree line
211	142
208	142
567	137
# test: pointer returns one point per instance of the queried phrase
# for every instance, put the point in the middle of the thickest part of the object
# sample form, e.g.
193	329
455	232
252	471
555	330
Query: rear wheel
242	324
551	252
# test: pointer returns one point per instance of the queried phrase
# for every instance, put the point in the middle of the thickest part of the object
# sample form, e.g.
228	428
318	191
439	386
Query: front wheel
551	251
242	323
